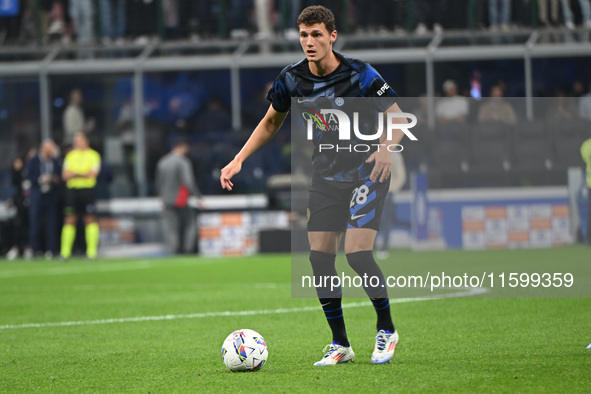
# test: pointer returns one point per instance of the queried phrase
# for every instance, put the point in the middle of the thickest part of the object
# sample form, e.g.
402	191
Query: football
244	350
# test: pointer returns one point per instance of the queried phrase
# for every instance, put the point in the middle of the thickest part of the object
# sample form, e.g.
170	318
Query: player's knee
88	219
70	219
322	263
325	242
359	260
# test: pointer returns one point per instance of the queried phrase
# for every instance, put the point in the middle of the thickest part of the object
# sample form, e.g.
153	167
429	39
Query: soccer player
325	73
80	170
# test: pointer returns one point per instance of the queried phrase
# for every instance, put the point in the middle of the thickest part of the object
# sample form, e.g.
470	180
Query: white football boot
336	354
385	346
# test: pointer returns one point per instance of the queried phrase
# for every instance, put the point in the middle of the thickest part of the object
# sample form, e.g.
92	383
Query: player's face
316	41
80	141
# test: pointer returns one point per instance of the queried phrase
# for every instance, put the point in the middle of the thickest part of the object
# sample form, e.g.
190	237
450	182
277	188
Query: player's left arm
382	158
95	169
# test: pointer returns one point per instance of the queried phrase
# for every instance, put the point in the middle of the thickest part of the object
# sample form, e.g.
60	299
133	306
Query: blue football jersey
352	78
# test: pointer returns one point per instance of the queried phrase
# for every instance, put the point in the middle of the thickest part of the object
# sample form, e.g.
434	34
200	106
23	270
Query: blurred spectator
476	85
577	89
172	24
502	84
496	109
53	21
428	14
567	13
27	29
239	16
561	107
289	26
113	20
585	105
82	14
263	11
476	14
175	183
125	124
74	119
499	18
18	243
452	107
80	171
12	21
543	12
44	175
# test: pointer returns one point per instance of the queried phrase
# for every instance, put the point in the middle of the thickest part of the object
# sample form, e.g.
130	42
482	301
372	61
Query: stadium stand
490	153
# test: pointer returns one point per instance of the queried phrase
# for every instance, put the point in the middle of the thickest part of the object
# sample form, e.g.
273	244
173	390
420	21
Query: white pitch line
465	293
98	268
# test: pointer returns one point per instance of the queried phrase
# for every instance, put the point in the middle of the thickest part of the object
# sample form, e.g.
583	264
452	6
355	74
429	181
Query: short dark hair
317	14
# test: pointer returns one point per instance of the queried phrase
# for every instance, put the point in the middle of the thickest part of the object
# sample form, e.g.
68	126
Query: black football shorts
80	201
338	206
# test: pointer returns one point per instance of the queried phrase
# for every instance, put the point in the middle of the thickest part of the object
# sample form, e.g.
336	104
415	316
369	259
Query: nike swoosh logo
305	100
323	305
357	216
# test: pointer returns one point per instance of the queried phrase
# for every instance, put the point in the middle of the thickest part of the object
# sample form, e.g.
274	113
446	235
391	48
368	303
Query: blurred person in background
397	181
80	171
18	243
567	14
561	107
113	21
452	107
27	29
74	120
82	14
175	183
543	12
496	109
239	16
44	176
172	19
577	88
53	21
499	17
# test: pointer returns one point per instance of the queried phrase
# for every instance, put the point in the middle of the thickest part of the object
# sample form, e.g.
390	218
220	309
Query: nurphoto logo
335	120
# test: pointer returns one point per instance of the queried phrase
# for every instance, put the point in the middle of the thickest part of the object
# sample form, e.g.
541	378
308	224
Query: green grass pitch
157	325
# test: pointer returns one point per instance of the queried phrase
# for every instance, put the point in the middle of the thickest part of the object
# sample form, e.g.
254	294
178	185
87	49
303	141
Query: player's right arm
67	173
265	130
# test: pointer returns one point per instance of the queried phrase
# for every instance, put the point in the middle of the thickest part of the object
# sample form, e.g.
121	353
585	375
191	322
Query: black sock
323	265
364	264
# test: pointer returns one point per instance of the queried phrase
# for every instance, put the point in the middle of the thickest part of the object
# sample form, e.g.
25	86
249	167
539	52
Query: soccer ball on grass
244	350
